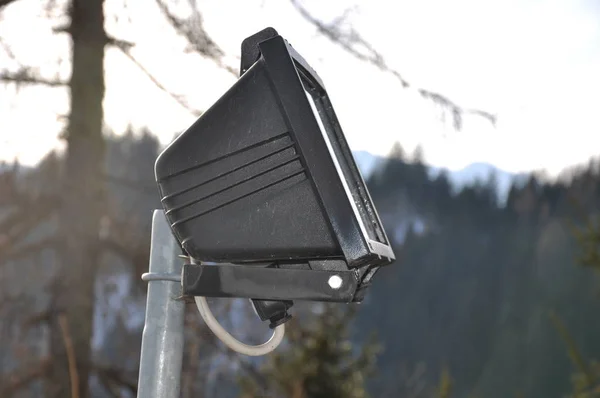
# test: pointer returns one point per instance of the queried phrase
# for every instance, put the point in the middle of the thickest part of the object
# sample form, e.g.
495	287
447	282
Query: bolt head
335	282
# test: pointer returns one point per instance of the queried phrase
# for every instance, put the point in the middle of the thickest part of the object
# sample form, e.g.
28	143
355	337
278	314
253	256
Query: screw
335	282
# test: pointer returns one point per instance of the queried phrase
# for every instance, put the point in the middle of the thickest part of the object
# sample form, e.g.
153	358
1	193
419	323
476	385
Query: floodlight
264	187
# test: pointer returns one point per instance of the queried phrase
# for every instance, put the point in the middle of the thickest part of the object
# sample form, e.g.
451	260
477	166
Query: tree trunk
81	207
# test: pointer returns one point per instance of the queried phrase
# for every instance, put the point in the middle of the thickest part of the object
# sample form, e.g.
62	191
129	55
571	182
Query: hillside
474	286
473	173
471	291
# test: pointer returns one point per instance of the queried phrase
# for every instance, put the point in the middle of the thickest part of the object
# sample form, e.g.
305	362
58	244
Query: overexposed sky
535	63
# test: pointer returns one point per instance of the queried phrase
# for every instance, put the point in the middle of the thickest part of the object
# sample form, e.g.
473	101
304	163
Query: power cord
215	326
232	342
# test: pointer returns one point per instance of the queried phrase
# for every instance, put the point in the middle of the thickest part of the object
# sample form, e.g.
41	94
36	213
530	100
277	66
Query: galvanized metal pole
162	340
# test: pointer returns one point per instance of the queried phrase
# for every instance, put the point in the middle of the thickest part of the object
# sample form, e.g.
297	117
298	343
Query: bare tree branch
192	29
27	75
7	49
353	43
350	42
52	6
125	48
71	358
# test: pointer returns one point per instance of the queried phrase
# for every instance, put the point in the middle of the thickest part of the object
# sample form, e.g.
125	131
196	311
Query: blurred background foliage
486	300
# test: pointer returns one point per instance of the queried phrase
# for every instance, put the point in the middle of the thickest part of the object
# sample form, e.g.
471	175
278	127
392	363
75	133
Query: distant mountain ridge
481	171
367	163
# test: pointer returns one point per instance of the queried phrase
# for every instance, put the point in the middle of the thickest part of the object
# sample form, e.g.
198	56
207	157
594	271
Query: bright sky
535	63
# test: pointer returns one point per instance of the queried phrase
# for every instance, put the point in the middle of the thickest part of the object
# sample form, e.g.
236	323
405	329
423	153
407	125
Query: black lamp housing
265	182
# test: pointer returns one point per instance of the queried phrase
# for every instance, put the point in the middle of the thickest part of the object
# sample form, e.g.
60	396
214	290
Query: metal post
162	340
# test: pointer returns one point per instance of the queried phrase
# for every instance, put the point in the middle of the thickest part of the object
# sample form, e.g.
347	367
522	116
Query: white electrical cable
232	342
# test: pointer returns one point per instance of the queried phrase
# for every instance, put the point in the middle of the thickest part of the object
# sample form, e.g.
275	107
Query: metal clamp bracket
268	283
161	276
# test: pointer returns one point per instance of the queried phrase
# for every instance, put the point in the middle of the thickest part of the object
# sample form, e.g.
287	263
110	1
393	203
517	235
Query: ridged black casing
254	180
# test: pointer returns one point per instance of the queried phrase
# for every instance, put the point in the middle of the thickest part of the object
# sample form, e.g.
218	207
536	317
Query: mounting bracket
259	282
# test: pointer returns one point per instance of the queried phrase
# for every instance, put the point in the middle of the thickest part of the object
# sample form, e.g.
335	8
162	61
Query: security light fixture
265	188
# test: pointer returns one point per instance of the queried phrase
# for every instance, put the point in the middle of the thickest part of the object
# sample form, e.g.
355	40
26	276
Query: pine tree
588	238
320	362
586	379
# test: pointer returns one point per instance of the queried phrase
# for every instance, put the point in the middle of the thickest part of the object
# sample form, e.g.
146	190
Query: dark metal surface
282	63
266	283
250	50
266	176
